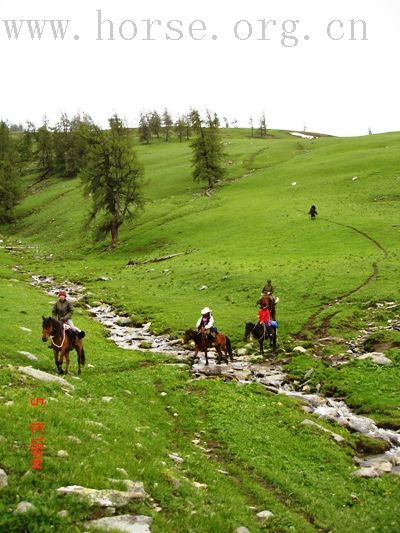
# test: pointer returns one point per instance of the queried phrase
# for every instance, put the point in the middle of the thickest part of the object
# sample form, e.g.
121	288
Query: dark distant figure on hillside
313	212
206	322
268	288
62	311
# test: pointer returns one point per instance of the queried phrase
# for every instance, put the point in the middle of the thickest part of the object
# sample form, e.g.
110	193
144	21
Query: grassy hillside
255	226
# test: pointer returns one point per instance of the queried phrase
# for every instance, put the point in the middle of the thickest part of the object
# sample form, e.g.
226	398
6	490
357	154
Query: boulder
44	376
299	349
106	497
126	523
24	507
264	515
3	479
377	357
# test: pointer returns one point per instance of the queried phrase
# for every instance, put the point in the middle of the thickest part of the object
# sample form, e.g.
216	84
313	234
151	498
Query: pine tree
154	121
112	177
9	187
45	148
167	123
144	128
207	150
180	128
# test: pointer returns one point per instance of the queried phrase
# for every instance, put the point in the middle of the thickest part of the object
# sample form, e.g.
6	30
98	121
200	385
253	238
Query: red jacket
263	315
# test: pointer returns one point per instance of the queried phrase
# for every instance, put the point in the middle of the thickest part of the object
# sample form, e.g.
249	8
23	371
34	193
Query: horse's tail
83	357
229	347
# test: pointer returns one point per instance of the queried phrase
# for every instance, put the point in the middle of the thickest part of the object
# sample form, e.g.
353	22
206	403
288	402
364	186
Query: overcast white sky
338	86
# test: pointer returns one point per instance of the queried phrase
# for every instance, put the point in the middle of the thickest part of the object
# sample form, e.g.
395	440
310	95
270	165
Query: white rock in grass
264	515
377	357
299	349
44	376
107	498
25	329
29	356
3	479
74	439
90	366
24	507
122	471
294	183
63	514
62	453
126	523
107	399
175	457
354	178
198	485
242	529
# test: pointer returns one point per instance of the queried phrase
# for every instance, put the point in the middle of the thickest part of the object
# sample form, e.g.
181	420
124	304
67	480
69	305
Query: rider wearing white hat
206	321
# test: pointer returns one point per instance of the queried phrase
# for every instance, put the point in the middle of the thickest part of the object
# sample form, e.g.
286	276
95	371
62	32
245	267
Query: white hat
205	311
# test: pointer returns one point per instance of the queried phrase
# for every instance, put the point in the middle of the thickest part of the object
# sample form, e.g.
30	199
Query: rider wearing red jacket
264	315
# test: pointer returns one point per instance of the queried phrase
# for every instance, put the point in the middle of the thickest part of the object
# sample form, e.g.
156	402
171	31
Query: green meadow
253	453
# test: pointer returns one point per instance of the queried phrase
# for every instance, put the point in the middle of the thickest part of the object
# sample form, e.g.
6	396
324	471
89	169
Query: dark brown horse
204	341
62	342
260	333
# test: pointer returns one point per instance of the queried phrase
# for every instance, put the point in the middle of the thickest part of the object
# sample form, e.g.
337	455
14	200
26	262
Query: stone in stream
125	523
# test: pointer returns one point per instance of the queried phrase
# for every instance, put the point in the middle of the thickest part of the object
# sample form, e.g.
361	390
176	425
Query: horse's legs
66	361
79	352
206	355
261	347
219	354
60	363
56	360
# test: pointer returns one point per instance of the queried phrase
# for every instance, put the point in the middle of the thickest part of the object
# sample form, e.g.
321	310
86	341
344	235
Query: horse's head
47	328
249	326
188	335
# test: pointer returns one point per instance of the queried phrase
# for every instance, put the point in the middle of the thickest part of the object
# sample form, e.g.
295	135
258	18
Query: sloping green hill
255	226
246	447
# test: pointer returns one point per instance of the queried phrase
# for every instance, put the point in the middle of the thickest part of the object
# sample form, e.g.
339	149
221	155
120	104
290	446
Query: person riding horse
264	315
206	322
62	311
267	298
268	288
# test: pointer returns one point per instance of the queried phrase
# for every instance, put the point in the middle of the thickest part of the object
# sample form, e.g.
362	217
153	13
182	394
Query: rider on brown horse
206	322
62	311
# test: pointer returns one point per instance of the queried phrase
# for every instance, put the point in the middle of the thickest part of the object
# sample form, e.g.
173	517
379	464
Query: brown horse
62	342
204	341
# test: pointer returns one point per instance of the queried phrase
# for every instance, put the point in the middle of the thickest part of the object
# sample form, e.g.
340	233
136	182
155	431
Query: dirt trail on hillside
322	330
